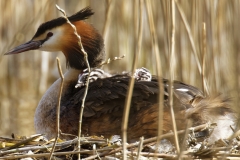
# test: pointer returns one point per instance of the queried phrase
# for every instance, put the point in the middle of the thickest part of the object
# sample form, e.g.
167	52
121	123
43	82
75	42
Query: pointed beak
31	45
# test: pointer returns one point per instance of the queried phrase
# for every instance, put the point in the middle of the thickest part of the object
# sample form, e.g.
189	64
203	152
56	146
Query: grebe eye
50	34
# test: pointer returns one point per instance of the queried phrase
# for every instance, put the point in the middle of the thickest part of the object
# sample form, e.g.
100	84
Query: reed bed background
25	77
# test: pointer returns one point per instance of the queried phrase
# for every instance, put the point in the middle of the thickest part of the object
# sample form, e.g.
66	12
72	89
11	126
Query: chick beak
31	45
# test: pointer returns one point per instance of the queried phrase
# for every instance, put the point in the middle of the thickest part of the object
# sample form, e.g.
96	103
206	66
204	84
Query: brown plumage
105	100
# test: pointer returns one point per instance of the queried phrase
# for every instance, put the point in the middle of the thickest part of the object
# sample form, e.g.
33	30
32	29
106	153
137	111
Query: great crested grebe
105	100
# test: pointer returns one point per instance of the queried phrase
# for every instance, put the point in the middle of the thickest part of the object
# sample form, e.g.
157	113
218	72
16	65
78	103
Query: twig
131	84
54	154
58	107
104	151
172	68
96	156
167	135
58	145
160	155
110	60
234	135
145	154
87	82
21	143
158	65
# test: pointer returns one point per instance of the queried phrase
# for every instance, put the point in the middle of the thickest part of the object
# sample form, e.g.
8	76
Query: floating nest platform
194	146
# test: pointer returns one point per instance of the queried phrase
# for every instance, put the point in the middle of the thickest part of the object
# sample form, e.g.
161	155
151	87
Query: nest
195	146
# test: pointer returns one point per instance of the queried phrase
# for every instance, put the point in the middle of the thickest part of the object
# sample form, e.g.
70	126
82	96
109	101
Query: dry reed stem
108	20
58	107
182	147
87	82
107	23
140	146
172	69
135	21
215	49
192	43
158	67
131	84
204	50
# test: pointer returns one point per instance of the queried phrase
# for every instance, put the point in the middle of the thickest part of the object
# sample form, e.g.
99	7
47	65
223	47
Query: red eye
49	34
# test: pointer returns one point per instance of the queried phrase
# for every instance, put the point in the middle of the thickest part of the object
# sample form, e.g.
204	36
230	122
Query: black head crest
81	15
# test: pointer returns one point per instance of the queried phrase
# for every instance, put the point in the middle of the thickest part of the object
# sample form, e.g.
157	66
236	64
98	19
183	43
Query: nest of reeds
194	146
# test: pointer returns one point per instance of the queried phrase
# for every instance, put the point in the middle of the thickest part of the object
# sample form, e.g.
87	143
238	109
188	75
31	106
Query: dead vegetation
195	146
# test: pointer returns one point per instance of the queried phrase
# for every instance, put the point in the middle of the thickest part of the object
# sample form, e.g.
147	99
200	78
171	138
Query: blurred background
25	77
